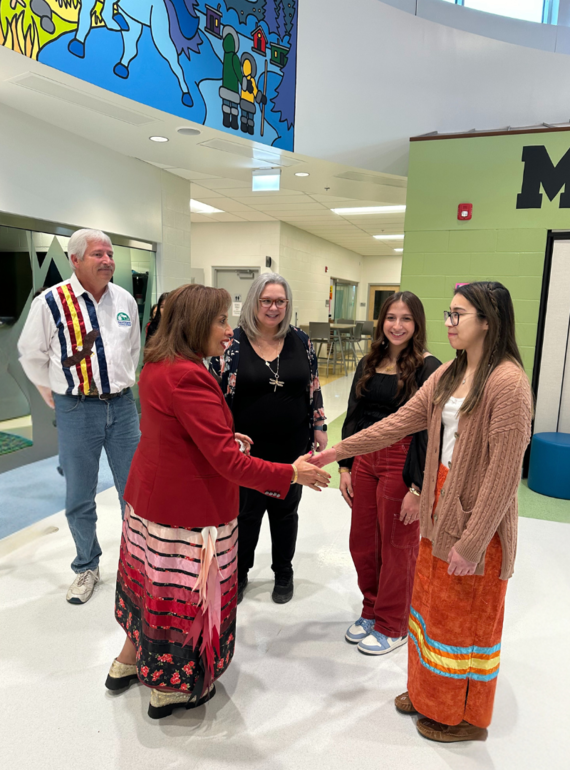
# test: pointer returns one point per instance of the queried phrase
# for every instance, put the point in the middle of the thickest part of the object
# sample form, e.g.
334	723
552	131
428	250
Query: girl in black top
383	488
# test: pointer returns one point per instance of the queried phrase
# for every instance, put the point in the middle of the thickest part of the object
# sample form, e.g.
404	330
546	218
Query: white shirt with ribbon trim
77	346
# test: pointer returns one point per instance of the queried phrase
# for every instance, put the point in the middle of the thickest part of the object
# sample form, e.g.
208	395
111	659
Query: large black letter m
539	170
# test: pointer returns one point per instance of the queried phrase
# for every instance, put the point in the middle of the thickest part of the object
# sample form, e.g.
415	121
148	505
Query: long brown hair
493	303
410	359
186	323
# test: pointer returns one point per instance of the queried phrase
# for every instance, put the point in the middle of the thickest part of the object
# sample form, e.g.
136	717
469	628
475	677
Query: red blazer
188	468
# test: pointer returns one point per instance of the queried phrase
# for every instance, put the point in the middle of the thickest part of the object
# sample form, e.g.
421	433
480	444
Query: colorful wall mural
229	65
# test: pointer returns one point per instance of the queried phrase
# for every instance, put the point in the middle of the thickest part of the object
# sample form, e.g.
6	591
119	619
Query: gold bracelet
342	469
295	474
415	492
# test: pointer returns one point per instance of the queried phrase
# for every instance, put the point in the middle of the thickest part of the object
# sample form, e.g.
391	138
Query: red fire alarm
464	211
326	269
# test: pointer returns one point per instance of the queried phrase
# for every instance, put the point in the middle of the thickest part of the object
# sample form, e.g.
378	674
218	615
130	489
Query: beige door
377	294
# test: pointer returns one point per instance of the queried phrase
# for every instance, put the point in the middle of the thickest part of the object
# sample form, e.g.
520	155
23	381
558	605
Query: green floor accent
531	504
10	443
535	506
334	430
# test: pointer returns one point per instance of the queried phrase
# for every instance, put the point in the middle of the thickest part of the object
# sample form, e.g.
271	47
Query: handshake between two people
313	463
308	474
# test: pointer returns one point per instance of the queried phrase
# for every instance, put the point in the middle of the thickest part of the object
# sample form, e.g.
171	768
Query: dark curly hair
410	359
492	302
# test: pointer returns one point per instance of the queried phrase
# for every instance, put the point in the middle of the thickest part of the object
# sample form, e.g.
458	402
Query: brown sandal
436	731
404	705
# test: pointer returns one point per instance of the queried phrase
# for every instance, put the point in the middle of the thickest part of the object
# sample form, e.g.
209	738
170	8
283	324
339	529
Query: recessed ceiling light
197	207
302	173
398	249
389	237
158	138
369	210
187	131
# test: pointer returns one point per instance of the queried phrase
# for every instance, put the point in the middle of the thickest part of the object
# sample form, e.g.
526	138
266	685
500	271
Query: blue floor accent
32	492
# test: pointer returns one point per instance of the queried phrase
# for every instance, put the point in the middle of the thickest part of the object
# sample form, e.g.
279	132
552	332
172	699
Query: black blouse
380	400
275	418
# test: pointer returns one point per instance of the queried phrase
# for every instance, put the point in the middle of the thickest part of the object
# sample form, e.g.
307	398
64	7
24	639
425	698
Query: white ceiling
218	164
310	212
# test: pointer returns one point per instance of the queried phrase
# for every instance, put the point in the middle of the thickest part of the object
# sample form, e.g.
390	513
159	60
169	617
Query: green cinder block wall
500	243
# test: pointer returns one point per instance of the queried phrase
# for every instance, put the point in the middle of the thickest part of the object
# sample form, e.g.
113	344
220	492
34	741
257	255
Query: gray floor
296	695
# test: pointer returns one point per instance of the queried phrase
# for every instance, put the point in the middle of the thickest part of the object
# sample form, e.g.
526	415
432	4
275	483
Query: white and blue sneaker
359	630
378	644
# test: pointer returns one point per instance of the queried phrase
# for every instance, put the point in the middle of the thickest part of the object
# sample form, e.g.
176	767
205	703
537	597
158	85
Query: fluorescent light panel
266	180
389	237
197	207
370	210
398	249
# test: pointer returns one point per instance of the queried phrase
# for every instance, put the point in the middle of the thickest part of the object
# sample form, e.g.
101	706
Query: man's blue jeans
84	427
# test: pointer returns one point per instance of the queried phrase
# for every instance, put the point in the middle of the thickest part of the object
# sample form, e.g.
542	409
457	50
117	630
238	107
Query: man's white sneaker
81	590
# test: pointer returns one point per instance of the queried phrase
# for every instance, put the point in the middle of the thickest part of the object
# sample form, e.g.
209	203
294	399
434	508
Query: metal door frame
226	269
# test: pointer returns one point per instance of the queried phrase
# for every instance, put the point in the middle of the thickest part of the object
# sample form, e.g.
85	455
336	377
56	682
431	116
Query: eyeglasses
454	317
279	303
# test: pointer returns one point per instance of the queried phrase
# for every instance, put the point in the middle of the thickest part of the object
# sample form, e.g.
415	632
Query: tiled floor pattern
296	696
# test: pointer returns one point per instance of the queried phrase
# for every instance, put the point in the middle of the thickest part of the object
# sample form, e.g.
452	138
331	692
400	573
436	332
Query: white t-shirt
450	420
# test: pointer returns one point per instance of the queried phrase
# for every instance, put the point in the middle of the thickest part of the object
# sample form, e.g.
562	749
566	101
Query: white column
173	254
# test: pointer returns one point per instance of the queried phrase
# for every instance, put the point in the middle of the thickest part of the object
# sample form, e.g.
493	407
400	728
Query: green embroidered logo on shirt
123	319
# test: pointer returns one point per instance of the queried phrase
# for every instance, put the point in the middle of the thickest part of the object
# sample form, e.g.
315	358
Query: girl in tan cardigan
468	512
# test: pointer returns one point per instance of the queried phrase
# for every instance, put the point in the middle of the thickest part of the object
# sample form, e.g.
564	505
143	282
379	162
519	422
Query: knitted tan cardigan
479	496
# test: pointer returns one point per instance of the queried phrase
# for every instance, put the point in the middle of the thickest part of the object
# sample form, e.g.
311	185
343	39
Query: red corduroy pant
384	550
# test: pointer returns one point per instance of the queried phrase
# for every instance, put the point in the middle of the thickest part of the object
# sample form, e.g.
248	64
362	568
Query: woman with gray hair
271	383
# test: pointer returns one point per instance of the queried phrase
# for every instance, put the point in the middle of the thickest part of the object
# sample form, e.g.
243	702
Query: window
545	11
528	10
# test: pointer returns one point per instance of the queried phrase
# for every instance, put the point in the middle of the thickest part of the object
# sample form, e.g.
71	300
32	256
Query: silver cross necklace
276	382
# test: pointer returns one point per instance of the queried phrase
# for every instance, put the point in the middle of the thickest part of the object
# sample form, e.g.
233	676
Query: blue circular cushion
549	472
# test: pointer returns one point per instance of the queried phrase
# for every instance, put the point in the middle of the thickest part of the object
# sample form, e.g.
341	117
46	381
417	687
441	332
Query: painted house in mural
214	20
279	54
260	41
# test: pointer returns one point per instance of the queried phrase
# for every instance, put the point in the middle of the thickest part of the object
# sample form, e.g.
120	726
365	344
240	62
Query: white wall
173	254
371	75
298	256
234	244
377	270
303	258
54	175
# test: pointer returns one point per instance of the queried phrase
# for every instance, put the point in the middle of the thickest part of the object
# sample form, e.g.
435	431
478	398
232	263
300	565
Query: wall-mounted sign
541	173
236	308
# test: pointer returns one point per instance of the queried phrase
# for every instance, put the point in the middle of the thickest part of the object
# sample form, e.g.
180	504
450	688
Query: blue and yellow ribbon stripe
478	663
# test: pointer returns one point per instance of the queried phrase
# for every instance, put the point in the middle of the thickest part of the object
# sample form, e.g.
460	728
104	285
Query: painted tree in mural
284	99
289	14
272	10
245	8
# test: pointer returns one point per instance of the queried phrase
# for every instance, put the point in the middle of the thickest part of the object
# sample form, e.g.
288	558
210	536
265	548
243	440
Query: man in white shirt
80	347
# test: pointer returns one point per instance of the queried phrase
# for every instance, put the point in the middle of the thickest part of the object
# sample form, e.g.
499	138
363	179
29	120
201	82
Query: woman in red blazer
176	584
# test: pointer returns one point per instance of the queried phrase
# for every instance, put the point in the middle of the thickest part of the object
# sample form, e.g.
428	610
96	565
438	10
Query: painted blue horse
174	28
173	25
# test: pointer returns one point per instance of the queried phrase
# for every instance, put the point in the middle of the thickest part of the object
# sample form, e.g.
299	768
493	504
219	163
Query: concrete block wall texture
303	258
173	256
500	242
297	255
